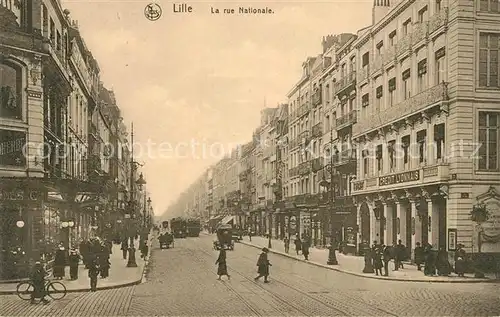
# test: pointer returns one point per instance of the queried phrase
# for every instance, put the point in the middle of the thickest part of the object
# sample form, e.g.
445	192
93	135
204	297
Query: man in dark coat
38	281
60	261
222	265
430	261
399	255
263	265
460	260
442	264
298	244
419	256
74	260
93	273
386	257
305	248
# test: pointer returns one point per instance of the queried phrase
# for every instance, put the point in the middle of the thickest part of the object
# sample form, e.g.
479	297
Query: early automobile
224	238
166	240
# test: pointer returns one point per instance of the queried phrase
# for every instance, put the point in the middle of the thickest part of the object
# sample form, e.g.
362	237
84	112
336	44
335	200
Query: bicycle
55	290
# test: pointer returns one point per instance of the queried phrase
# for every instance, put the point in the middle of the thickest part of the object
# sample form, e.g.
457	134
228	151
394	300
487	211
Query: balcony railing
407	107
317	130
316	97
305	137
404	44
345	82
438	20
317	164
345	157
346	120
294	171
294	143
303	110
389	55
419	32
305	168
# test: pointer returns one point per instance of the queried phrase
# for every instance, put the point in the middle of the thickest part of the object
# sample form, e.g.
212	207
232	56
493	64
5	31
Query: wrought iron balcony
316	97
389	55
438	20
294	171
317	130
303	110
317	164
419	32
345	157
304	138
405	108
346	120
305	168
345	82
404	44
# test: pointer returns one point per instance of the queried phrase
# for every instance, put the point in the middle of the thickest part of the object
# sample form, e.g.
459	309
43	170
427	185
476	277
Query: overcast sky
201	79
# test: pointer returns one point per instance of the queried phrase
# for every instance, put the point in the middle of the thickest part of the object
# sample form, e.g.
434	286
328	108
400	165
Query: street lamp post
332	258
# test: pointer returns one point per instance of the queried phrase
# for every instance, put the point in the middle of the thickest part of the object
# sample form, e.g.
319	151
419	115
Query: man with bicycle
38	281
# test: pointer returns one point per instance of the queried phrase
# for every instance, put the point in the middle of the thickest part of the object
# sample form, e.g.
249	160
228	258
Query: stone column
434	235
430	153
388	223
373	225
398	219
414	217
430	215
358	223
403	214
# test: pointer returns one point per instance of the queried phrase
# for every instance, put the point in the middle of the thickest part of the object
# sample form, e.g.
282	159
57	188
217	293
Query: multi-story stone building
427	124
280	190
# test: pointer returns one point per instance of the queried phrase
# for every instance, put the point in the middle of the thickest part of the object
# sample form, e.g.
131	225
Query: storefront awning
227	220
216	217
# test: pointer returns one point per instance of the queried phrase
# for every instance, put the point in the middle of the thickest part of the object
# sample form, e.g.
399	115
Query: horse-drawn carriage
224	238
166	240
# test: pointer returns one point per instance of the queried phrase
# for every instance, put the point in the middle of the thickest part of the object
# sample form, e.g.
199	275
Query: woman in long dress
222	266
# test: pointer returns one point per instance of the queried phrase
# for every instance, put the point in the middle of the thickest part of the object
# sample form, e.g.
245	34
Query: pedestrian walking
263	265
442	264
74	260
286	242
460	256
298	244
419	256
386	258
38	280
104	265
84	251
60	263
93	273
250	233
222	265
305	249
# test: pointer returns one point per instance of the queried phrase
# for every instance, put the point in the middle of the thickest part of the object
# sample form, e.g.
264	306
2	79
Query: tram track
322	297
301	311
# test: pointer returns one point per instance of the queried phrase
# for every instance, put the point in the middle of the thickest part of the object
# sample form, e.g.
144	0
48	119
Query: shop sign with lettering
20	195
399	178
12	144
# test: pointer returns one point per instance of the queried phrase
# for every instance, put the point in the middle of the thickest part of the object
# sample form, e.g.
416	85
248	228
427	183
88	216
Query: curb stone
371	276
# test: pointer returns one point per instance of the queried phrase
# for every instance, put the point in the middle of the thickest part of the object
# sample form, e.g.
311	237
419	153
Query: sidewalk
119	274
354	265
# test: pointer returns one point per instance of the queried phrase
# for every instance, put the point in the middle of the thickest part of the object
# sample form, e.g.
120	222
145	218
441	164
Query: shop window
10	91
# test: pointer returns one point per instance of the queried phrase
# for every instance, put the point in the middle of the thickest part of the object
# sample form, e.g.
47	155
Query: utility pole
332	258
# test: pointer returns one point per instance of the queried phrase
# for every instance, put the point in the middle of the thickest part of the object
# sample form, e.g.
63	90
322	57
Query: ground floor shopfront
35	218
436	214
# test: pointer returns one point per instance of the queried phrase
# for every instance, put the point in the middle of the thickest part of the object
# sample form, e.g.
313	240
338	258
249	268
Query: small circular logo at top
152	11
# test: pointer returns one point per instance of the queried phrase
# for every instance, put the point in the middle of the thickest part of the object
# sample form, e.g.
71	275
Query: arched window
10	91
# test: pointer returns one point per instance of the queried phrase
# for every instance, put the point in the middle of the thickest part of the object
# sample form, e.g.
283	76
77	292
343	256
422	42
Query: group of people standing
433	262
301	245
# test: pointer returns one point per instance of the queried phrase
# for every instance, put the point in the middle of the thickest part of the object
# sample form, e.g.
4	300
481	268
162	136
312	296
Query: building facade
49	87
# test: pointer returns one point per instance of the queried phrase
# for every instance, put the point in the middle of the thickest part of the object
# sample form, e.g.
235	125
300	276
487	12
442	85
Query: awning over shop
227	220
216	217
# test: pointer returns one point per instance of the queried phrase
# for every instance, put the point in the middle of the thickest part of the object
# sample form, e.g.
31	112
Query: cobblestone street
182	281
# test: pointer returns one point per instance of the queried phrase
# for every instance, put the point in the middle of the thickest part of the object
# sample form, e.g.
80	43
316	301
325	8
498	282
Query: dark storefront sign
399	178
12	144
